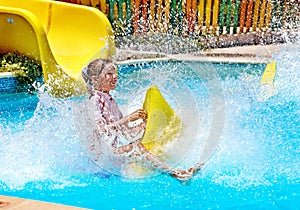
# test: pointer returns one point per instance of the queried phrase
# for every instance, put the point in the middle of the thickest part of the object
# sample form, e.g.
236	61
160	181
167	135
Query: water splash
255	148
45	147
260	145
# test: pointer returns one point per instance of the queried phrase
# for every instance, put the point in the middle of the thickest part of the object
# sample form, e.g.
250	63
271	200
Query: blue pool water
251	147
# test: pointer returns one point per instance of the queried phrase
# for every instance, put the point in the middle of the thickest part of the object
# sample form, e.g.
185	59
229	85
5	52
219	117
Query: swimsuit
107	107
107	111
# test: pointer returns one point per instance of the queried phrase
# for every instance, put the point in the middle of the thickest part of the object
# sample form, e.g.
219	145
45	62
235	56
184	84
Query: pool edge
8	202
260	54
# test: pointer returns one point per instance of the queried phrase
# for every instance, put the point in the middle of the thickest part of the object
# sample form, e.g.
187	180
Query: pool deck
13	203
243	54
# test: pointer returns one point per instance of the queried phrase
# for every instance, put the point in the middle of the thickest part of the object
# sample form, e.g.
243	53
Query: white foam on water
225	129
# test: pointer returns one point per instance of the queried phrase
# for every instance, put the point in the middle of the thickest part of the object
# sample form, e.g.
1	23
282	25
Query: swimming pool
251	147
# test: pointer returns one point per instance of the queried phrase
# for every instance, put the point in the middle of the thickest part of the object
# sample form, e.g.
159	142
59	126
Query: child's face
107	80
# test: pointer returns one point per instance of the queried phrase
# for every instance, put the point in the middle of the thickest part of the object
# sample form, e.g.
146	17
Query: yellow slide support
62	37
267	88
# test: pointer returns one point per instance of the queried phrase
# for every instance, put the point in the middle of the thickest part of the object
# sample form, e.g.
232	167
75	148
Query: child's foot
184	175
197	167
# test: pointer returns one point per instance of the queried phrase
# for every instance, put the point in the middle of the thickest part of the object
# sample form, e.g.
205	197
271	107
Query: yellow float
163	125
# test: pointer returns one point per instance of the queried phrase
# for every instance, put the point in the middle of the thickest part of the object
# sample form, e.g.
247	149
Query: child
101	77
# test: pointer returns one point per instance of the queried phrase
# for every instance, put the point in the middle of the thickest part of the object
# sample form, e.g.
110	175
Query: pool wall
8	83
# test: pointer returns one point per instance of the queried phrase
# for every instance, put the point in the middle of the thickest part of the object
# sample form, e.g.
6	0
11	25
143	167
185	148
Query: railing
198	16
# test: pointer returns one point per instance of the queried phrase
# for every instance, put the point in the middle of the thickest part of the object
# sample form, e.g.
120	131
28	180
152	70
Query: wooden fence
198	16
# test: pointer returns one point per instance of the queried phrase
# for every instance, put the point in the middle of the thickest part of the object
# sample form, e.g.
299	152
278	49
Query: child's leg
138	149
155	161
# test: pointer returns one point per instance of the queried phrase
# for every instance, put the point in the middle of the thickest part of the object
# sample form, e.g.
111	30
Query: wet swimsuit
107	107
107	111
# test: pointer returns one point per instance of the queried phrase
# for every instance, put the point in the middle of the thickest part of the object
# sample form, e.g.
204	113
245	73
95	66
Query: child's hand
138	114
142	125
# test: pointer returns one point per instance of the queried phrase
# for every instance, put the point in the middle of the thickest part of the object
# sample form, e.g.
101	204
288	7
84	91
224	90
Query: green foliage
26	70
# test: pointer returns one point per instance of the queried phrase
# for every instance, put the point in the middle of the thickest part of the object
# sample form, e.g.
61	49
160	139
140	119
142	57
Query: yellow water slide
62	37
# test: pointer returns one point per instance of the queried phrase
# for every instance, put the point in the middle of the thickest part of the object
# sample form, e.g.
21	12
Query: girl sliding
101	77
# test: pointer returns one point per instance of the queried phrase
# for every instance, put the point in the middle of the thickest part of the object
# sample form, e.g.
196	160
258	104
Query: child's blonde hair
94	68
